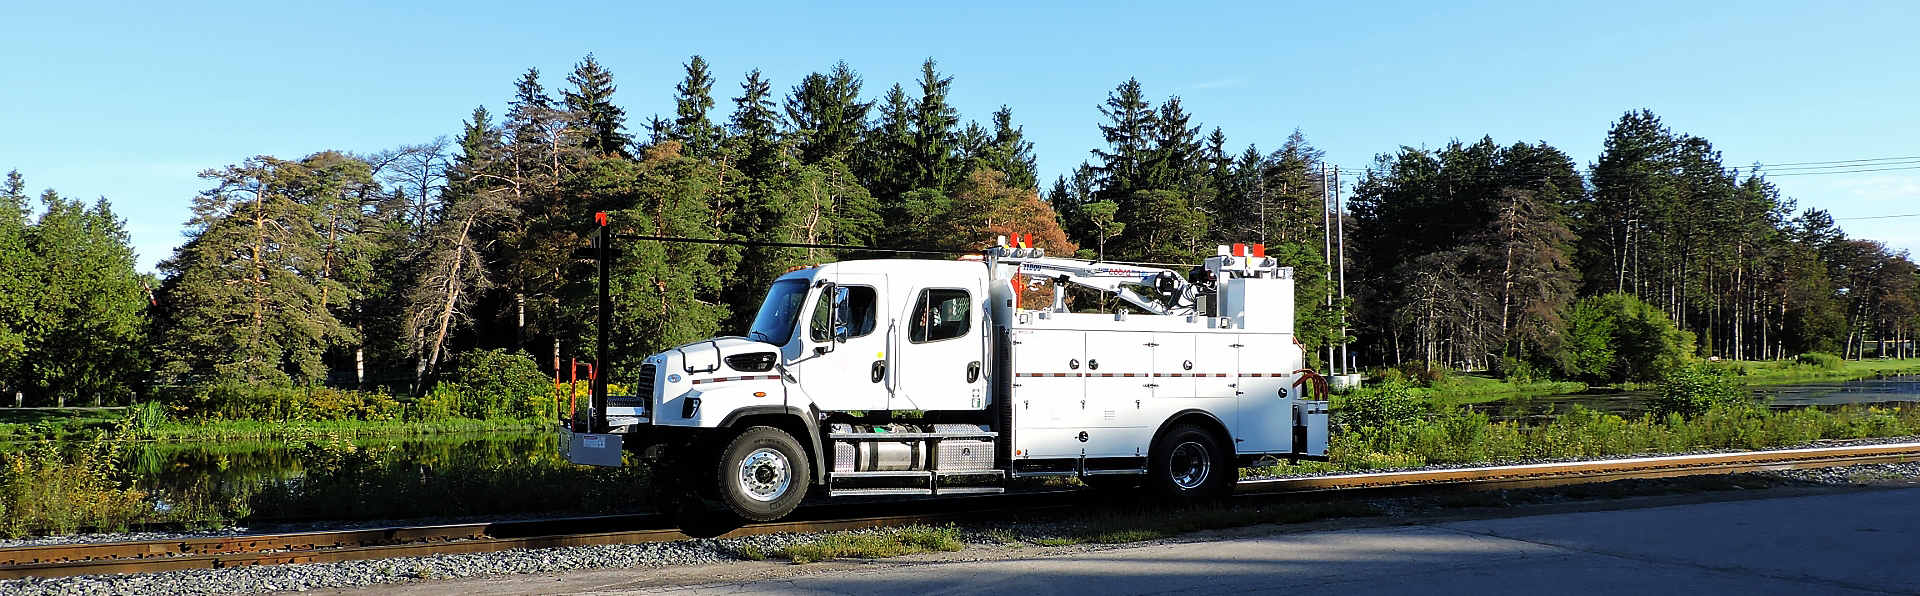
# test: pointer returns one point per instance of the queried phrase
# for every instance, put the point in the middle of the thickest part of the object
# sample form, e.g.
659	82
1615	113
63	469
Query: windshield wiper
758	336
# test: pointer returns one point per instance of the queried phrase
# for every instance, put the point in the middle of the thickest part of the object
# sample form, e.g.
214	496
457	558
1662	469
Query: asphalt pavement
1847	543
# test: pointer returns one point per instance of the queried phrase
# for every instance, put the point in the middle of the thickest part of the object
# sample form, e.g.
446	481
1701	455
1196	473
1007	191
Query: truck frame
927	377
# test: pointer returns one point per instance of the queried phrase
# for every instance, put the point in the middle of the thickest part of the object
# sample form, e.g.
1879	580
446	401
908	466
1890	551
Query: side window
941	314
858	312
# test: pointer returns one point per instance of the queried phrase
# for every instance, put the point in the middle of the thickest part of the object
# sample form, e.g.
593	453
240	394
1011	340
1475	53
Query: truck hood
709	355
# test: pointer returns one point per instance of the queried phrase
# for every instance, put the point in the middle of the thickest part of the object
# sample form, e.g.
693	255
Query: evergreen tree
244	298
692	101
1129	135
884	164
591	103
827	115
17	272
1010	153
932	153
89	338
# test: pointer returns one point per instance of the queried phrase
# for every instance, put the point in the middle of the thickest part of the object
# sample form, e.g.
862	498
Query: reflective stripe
745	378
1162	375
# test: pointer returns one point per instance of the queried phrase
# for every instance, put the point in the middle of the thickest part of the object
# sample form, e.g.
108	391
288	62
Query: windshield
779	312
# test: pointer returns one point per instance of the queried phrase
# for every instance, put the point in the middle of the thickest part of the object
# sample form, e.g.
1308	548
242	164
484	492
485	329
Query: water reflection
348	479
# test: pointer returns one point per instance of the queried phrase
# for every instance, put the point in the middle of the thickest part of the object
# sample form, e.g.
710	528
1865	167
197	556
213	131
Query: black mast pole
600	360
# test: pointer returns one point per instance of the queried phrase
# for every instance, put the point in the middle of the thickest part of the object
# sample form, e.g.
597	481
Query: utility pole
1326	236
1340	223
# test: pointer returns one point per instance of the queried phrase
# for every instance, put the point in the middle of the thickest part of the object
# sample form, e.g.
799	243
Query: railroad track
382	543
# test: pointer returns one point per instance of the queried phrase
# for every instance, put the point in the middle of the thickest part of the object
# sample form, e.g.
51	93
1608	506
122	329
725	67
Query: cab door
845	363
941	351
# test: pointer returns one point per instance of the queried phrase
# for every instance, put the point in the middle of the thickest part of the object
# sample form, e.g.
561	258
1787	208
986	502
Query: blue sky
131	100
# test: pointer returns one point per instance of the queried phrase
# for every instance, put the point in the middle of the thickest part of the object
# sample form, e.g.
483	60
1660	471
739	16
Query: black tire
763	474
1189	465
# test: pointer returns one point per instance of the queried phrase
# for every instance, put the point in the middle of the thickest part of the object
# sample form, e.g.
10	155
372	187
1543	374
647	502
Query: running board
928	482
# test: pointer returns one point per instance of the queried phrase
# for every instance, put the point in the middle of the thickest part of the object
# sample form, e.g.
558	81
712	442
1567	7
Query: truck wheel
1188	466
763	474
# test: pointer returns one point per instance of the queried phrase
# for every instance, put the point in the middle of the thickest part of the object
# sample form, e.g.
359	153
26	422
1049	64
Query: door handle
879	370
973	371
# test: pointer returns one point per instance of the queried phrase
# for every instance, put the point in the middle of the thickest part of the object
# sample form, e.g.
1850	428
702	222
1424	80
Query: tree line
1483	255
373	270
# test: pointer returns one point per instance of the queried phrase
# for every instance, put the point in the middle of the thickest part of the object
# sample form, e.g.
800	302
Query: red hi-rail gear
573	388
1320	387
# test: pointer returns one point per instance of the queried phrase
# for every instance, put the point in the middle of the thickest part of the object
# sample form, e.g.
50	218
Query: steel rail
1549	474
380	543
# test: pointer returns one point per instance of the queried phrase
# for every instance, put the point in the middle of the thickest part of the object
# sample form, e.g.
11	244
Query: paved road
1853	543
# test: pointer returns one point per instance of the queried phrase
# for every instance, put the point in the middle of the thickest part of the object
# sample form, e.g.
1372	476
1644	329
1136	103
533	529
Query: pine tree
827	114
591	103
1009	153
932	153
1129	136
693	100
1174	161
17	267
90	338
883	159
244	298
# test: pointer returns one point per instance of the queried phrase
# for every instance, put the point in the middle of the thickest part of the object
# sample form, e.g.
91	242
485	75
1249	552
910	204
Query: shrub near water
1470	437
499	384
1821	360
1692	390
1375	407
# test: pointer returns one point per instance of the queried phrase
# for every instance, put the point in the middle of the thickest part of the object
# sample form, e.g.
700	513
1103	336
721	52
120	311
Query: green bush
1423	373
1379	407
1517	371
62	489
1693	389
1470	437
1618	338
499	384
235	400
1821	360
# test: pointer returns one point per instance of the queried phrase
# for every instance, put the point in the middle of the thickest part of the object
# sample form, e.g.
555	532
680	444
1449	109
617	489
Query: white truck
927	377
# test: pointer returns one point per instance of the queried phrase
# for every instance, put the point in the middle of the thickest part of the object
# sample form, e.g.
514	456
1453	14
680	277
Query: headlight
754	362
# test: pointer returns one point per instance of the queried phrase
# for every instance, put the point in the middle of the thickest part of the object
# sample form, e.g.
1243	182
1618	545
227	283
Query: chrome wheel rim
1189	465
765	474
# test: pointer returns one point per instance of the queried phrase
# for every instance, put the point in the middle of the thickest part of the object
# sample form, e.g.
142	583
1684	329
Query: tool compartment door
1120	382
1265	421
1048	389
1173	365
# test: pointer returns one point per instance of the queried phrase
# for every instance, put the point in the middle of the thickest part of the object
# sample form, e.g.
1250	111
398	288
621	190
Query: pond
340	479
1887	389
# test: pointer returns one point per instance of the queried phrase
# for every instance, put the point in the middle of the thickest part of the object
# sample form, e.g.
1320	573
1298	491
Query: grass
888	542
82	425
1789	371
110	483
1453	436
1462	389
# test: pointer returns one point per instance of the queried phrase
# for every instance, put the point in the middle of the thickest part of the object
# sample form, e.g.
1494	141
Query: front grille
644	388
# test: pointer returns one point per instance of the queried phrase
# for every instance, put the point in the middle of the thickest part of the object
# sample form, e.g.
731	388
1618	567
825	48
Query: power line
1879	216
1839	166
1809	163
1842	172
